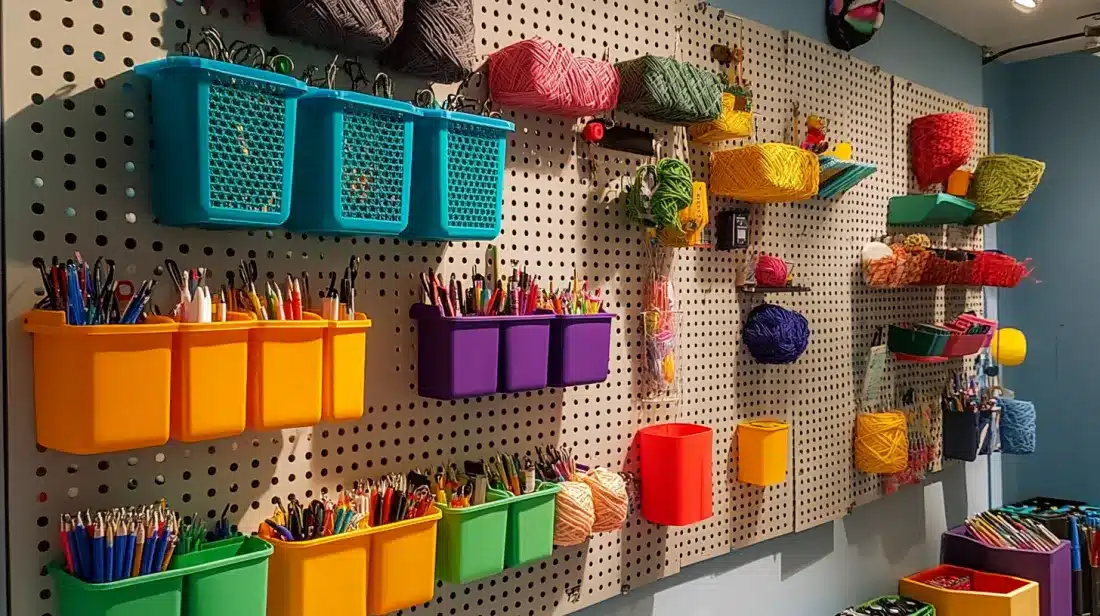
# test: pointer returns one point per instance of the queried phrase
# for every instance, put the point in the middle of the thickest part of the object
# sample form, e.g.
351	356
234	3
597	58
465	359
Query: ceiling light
1026	6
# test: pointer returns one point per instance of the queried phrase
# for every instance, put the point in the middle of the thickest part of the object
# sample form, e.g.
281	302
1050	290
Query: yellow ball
1009	347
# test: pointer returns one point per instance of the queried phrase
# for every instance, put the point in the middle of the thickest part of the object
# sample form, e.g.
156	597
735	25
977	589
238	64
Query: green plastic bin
934	209
530	523
470	545
235	585
922	340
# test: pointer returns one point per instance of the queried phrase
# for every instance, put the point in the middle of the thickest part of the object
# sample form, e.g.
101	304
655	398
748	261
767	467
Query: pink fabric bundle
539	75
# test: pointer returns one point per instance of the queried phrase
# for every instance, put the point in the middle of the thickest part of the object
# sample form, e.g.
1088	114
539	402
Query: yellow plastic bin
209	378
285	371
345	369
402	564
322	577
762	452
100	388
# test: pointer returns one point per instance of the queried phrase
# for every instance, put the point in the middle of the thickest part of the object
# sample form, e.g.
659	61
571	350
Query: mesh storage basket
458	176
539	75
941	144
665	90
765	173
354	164
351	27
1002	184
224	138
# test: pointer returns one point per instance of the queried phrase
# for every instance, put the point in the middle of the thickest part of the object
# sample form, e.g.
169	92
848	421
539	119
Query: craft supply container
285	373
960	435
934	209
471	542
1050	570
524	351
963	345
762	452
580	349
210	378
344	374
354	165
992	595
678	457
224	136
456	357
100	388
457	176
916	342
530	523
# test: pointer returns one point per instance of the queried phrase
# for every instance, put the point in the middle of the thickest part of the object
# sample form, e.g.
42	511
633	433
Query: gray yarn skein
437	41
347	26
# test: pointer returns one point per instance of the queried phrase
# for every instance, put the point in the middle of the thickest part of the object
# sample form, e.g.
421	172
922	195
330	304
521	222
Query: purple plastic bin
457	357
580	348
1050	569
524	351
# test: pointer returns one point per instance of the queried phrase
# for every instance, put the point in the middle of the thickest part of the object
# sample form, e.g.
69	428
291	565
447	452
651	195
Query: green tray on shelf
934	209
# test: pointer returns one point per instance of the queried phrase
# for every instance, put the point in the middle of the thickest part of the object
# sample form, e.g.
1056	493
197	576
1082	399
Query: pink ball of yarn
610	498
574	514
771	271
543	76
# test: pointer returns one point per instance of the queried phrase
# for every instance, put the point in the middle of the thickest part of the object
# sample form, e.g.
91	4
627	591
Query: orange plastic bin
285	370
100	388
345	369
677	465
210	378
762	452
991	594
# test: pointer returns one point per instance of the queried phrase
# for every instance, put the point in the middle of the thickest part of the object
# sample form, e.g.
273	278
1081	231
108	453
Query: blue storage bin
354	164
458	176
223	143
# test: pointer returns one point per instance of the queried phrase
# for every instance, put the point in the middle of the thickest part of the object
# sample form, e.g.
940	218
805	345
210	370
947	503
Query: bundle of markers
195	304
573	300
288	301
118	544
516	294
90	295
466	487
557	464
391	499
1003	530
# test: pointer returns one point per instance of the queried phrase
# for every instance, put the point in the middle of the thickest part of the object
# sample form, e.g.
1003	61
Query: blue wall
1047	109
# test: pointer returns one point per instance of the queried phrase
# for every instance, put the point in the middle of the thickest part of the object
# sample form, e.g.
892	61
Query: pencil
136	570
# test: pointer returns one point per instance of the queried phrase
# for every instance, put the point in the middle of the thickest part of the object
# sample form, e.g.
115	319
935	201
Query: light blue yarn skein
1017	427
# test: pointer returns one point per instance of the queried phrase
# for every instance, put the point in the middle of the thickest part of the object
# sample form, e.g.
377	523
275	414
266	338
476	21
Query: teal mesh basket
354	164
458	176
223	143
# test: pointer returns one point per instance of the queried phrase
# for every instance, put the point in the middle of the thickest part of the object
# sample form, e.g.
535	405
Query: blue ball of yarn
775	335
1017	427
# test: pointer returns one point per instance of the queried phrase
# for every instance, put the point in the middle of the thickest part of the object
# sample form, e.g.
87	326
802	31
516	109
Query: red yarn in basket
941	144
1000	270
539	75
771	271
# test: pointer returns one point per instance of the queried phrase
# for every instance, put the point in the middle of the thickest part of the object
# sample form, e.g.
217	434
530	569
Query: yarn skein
609	497
436	41
665	90
351	28
771	271
775	335
574	514
659	193
543	76
1017	427
882	443
1002	184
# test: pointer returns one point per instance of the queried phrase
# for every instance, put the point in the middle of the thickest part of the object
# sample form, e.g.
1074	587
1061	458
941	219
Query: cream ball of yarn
574	514
609	497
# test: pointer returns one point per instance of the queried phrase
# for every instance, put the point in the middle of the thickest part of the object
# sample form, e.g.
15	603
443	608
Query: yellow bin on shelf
100	388
210	378
345	369
762	452
991	594
285	368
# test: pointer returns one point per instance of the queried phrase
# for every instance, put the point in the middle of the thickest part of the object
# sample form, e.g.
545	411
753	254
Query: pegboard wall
76	145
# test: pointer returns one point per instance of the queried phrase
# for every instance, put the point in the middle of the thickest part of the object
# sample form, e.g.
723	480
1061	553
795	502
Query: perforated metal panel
76	145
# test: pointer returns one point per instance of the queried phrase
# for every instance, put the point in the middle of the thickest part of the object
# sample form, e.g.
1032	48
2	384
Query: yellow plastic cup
285	366
100	388
762	452
345	369
209	378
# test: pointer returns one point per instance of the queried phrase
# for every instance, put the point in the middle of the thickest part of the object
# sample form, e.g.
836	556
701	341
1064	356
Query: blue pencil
162	547
147	553
78	565
120	555
109	561
132	547
97	558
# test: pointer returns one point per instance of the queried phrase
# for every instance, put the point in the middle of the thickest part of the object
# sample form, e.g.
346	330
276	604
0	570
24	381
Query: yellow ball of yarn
574	514
609	497
882	443
1009	347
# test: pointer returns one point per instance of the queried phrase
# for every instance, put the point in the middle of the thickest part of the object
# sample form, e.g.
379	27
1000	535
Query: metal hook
425	97
466	82
356	74
386	84
214	42
241	52
330	73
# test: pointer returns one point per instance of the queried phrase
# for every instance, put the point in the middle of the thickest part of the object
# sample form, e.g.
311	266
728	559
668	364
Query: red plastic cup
677	473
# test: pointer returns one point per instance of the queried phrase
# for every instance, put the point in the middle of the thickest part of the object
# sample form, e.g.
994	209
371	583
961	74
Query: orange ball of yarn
574	514
609	497
771	271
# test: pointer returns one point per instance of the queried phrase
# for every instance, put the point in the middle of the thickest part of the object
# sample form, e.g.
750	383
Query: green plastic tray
917	341
234	584
470	545
530	524
934	209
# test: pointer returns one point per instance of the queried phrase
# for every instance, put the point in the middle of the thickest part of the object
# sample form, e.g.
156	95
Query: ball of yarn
665	90
882	443
765	173
574	514
1002	184
775	335
1017	427
436	41
659	193
609	497
771	271
941	144
540	75
1009	346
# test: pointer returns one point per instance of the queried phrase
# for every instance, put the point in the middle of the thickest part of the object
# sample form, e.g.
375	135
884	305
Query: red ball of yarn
941	144
540	75
771	271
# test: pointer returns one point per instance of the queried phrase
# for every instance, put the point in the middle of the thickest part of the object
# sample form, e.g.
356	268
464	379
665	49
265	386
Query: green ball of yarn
659	192
1002	184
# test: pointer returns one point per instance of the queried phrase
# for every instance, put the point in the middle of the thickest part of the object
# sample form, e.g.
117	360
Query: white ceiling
998	25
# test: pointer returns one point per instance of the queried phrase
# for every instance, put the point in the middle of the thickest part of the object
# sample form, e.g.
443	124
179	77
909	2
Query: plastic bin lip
433	515
53	323
598	316
467	118
309	321
448	511
960	531
360	98
151	69
770	425
424	312
235	321
676	430
542	488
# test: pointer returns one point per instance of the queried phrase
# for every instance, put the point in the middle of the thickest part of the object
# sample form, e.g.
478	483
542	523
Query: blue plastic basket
458	176
223	143
354	164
